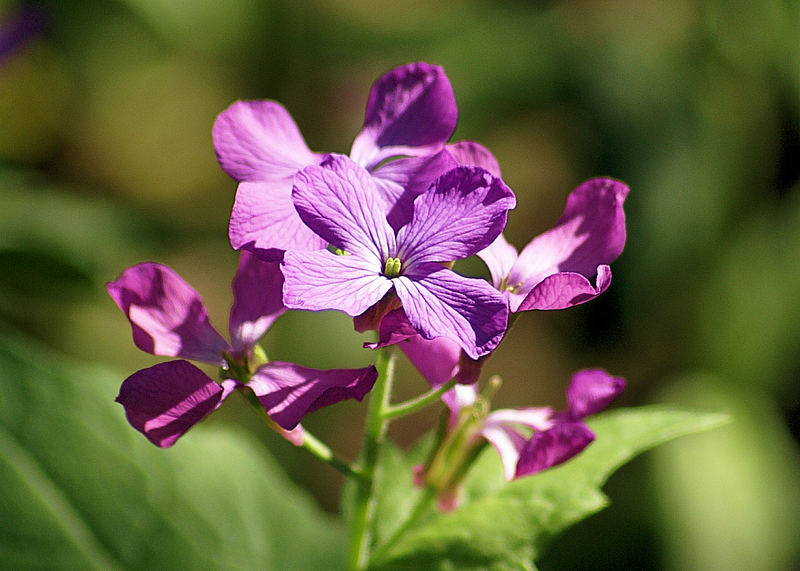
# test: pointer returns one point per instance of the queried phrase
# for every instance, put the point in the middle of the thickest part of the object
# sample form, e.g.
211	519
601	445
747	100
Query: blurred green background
106	160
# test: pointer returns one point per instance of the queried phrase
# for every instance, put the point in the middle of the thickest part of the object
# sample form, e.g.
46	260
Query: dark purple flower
168	318
411	113
530	440
464	210
555	270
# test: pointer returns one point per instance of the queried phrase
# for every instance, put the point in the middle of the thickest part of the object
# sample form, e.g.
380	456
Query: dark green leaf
83	490
506	526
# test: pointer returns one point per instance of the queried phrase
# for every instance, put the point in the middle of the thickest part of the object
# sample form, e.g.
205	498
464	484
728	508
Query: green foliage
82	490
506	526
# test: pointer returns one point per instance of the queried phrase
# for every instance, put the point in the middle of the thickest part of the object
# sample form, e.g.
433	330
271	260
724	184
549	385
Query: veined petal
265	221
592	390
472	154
411	110
399	182
461	214
339	201
562	290
259	141
499	257
322	280
288	392
165	400
590	233
441	303
552	447
166	314
257	300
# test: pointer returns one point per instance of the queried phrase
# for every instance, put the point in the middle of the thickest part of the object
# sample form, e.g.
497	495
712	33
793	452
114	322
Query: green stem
420	402
375	433
310	442
324	453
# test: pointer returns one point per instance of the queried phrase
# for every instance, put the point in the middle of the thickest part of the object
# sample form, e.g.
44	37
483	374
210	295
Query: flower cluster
375	234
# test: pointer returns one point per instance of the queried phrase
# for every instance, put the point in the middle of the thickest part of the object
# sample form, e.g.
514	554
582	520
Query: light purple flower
530	440
555	270
168	318
552	272
464	210
411	113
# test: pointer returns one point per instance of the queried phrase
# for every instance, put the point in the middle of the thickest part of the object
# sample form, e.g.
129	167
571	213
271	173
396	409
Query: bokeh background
106	160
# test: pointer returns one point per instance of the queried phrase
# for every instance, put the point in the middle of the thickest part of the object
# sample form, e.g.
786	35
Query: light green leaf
83	490
506	526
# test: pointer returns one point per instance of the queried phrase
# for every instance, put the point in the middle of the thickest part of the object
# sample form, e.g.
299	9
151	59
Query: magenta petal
265	221
259	141
167	315
437	360
399	182
499	257
257	300
339	201
472	154
165	400
460	215
592	390
288	392
552	447
444	304
316	281
590	233
411	110
562	290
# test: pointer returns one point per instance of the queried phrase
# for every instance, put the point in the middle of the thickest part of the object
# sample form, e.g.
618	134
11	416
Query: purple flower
552	272
555	270
411	113
529	440
168	318
464	210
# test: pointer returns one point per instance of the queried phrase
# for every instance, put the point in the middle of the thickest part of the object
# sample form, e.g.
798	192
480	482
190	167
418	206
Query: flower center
391	269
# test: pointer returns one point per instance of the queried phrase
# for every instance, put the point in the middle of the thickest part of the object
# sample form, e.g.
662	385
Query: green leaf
83	490
506	525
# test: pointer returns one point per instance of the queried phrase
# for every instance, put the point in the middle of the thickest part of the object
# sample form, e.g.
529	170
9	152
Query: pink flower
168	318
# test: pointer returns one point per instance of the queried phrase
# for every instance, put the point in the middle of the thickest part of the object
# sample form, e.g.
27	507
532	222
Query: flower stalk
377	423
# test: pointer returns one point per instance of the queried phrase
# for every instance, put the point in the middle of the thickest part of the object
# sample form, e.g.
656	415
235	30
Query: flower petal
508	442
259	141
257	300
499	257
339	201
590	233
288	392
461	214
562	290
592	390
165	400
167	315
552	447
441	303
265	221
411	110
472	154
399	182
435	359
321	280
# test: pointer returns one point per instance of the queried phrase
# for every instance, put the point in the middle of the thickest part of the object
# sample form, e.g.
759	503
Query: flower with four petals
168	318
